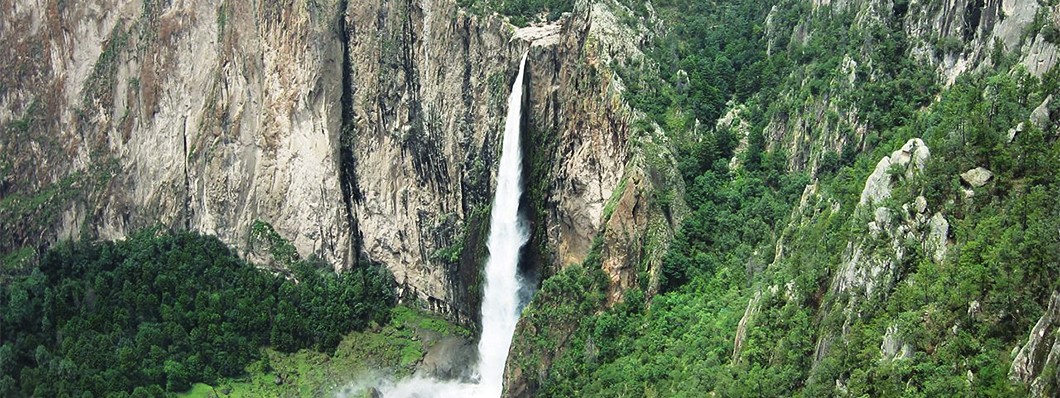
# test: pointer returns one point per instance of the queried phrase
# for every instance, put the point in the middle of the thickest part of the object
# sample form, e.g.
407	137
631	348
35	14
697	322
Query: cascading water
501	302
508	234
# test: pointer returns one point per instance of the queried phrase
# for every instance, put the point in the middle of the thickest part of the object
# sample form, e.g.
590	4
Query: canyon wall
358	131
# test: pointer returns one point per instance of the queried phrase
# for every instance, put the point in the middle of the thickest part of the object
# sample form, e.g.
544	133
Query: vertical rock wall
360	131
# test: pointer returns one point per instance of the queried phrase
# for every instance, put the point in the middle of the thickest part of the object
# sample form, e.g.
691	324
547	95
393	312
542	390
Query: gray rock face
191	116
1040	116
734	121
938	237
427	97
358	130
996	21
977	177
908	160
1041	56
870	263
1013	132
741	329
450	358
921	204
1041	353
892	348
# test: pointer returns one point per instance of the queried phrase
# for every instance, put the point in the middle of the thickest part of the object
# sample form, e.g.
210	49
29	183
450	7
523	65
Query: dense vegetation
520	12
158	312
745	302
397	346
702	62
748	249
1006	262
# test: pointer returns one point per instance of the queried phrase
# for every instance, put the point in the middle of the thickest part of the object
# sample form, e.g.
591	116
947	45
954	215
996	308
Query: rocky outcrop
952	38
893	348
907	161
977	26
976	177
1036	362
595	147
873	263
360	131
642	217
753	306
426	104
1040	116
734	122
615	183
896	229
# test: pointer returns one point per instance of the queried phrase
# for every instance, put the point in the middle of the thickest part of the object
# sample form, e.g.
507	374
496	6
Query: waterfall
501	302
508	234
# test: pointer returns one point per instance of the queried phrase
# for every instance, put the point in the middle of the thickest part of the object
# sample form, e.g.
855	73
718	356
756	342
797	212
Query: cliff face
362	131
427	113
197	116
1036	361
951	38
369	130
614	197
892	236
426	104
955	36
884	233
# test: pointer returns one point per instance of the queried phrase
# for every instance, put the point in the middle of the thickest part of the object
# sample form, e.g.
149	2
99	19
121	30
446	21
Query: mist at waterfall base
501	301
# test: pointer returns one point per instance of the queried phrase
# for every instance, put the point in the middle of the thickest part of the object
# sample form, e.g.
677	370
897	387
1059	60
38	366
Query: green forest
159	311
957	318
520	12
865	202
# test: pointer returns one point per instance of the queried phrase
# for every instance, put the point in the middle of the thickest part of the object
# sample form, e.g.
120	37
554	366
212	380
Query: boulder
977	177
451	358
911	158
1013	132
938	236
1040	115
921	204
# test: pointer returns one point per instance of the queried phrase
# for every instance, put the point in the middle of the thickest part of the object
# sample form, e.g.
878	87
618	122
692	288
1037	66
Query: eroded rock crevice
351	192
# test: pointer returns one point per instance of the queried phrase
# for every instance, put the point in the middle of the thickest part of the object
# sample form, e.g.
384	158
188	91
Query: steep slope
360	132
202	116
859	194
869	215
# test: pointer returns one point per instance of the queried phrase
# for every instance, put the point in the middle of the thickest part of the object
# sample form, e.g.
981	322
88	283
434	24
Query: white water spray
508	234
501	302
